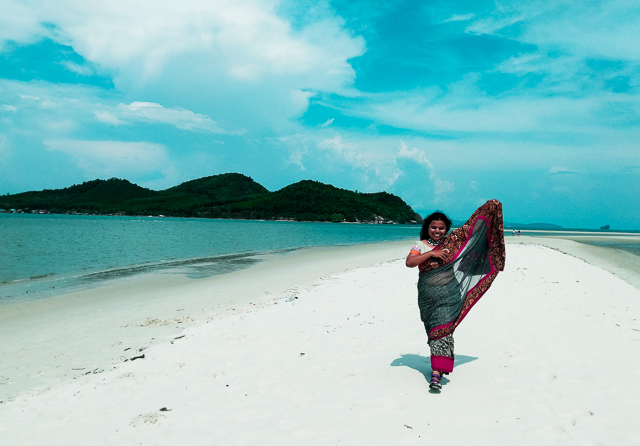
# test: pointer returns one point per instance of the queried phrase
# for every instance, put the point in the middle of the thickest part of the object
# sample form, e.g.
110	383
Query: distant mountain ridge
229	195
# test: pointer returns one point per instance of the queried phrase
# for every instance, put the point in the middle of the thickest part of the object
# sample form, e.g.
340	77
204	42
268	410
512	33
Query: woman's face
437	230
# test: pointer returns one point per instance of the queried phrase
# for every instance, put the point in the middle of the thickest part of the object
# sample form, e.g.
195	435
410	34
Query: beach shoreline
304	338
135	313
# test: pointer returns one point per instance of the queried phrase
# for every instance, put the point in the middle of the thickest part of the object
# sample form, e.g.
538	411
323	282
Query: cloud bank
443	103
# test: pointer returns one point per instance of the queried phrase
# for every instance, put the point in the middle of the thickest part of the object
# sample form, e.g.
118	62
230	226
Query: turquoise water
629	246
44	255
633	248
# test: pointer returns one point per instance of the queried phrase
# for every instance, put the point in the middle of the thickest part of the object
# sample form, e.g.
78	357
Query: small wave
199	267
25	279
42	276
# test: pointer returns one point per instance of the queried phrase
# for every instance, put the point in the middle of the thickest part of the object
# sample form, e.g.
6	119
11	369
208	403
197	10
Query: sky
445	103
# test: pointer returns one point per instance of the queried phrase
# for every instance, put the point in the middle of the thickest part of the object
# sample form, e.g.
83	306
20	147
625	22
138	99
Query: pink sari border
464	313
442	364
486	220
491	214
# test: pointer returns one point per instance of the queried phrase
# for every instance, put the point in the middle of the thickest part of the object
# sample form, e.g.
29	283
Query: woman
455	271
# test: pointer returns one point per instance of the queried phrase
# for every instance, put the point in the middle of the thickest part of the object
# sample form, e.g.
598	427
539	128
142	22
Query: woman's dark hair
436	216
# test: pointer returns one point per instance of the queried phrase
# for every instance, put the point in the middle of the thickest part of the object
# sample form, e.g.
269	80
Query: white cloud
234	59
609	29
560	104
216	67
114	158
441	188
416	155
19	22
562	69
82	70
372	158
346	151
472	113
350	158
460	18
29	97
327	123
296	159
65	108
108	118
156	113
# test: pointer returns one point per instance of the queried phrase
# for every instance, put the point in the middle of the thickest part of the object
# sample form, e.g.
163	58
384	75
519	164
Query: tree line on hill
230	195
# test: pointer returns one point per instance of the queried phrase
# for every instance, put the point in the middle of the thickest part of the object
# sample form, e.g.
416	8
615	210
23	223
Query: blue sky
444	103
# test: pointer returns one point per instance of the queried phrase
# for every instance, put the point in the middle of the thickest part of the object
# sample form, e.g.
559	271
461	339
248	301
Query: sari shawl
449	288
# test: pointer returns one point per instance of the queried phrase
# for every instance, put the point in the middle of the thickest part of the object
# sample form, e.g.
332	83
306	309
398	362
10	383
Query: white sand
548	356
617	261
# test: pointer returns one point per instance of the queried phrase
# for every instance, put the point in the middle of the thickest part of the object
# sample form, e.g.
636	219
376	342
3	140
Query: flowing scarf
450	287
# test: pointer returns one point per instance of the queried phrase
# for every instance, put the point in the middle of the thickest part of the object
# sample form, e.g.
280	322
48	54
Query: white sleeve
421	247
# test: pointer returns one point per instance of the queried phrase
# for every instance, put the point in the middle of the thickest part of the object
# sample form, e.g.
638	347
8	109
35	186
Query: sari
448	288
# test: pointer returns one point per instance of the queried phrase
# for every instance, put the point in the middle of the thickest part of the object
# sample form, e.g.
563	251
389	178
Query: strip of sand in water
344	363
48	338
67	336
622	263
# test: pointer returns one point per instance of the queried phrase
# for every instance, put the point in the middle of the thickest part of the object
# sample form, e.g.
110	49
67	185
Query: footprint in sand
126	376
147	419
5	380
158	322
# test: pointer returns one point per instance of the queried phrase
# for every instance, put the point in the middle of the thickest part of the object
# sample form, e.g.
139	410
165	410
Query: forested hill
230	195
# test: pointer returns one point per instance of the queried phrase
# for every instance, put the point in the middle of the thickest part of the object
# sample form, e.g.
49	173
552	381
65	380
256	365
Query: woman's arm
414	259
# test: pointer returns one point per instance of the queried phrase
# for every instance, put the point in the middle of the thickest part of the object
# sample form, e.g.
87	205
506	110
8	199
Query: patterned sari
449	288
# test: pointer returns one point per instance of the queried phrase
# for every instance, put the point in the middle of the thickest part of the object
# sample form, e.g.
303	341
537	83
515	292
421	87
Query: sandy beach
325	347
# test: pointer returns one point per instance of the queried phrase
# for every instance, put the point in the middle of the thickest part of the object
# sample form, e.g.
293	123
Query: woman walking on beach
455	271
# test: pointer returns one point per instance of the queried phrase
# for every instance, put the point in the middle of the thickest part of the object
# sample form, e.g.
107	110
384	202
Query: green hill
91	195
314	201
196	198
221	188
229	195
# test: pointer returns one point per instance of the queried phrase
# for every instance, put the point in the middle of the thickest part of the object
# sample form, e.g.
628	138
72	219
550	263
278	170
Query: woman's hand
414	259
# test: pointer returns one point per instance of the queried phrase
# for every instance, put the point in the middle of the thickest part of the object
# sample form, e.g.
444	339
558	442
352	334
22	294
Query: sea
46	255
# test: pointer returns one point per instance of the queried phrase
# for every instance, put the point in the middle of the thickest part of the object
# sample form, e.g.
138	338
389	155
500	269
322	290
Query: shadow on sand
422	364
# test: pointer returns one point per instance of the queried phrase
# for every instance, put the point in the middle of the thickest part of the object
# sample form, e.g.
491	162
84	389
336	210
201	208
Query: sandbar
325	346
